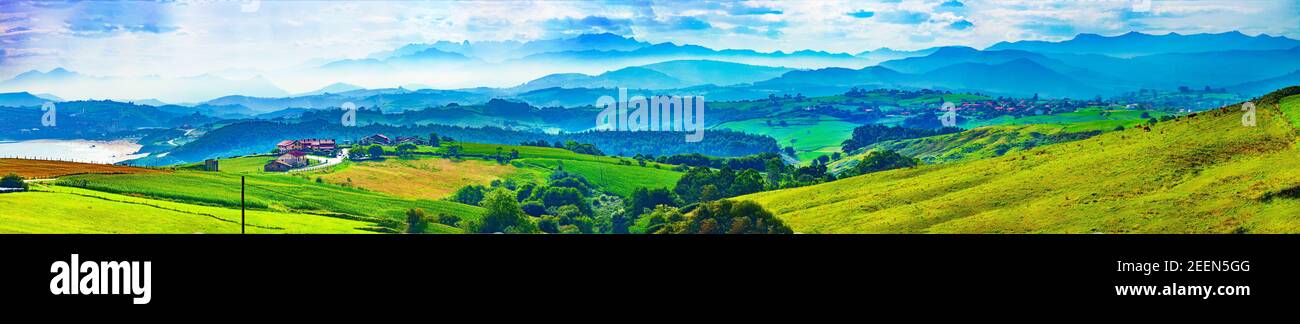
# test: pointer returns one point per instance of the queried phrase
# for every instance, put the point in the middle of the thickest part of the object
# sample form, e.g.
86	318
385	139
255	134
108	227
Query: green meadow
276	192
56	209
811	135
1077	121
619	179
526	151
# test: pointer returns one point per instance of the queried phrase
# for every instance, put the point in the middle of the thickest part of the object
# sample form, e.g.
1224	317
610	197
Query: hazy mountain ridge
607	61
1137	44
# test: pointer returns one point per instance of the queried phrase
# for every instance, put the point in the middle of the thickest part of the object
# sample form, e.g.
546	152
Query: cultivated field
419	178
42	169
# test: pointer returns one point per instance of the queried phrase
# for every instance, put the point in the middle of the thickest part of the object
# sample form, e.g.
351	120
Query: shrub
13	181
416	221
503	215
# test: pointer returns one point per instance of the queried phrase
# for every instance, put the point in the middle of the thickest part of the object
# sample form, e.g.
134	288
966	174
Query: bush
447	219
720	217
533	208
416	221
877	161
503	215
13	181
469	195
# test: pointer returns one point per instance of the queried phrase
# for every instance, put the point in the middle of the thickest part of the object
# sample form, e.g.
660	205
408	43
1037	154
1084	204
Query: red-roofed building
319	146
291	160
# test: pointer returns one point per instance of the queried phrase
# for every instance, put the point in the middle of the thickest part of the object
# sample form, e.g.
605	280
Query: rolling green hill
276	192
619	179
811	135
56	209
1198	174
1006	135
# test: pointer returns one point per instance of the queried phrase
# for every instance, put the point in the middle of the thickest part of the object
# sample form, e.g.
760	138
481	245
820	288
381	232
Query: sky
186	38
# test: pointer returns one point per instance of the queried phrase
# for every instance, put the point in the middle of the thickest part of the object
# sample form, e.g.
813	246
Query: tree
709	193
375	151
774	168
656	221
877	161
503	215
406	148
447	219
718	217
433	140
13	181
533	208
514	154
747	182
453	151
643	200
416	221
469	195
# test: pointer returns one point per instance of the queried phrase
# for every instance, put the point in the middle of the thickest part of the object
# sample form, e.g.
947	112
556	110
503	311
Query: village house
318	146
376	139
284	163
412	139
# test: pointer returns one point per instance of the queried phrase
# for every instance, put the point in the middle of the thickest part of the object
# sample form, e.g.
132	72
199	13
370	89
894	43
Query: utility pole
241	204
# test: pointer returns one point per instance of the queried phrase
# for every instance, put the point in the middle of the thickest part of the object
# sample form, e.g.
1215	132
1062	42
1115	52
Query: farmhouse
376	139
286	162
319	146
413	140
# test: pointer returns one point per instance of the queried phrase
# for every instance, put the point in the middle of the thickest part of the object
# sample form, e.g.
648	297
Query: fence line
82	162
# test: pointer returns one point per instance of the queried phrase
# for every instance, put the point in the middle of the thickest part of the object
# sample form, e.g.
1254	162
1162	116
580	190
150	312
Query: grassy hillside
811	136
1202	174
619	179
535	152
1077	121
245	164
54	209
274	192
1007	135
42	169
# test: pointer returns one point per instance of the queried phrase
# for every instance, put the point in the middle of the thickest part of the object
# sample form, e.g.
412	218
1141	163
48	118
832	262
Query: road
325	162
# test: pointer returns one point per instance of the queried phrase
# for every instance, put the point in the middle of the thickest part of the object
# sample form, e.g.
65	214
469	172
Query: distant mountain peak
589	38
1135	43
